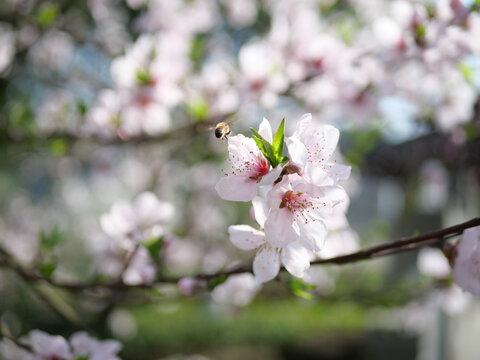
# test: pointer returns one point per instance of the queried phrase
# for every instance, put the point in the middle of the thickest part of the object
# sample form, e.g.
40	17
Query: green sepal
278	142
213	283
47	269
49	240
153	245
301	289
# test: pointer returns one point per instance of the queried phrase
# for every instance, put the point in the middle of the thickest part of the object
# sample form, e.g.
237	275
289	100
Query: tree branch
389	248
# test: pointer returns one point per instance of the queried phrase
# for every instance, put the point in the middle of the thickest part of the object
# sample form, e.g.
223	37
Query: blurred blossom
57	112
261	65
46	347
53	51
183	256
189	286
103	118
318	276
432	262
93	349
241	12
177	14
341	242
22	245
457	105
137	221
7	46
466	268
237	290
433	189
214	260
10	351
141	269
49	346
122	324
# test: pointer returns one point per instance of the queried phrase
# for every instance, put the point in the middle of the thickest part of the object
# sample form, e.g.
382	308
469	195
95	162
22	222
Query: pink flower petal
266	264
245	237
236	188
279	228
296	259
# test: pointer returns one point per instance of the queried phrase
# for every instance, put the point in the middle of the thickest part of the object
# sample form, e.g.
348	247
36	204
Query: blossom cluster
461	262
466	268
344	70
136	232
293	197
45	346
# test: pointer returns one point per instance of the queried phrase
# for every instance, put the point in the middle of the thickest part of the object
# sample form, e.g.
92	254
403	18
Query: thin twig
5	333
389	248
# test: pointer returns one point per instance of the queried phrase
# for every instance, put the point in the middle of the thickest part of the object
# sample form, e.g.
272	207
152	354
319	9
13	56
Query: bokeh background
102	100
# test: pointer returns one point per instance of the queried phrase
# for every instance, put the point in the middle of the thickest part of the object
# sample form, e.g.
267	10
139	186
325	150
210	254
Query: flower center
257	169
294	202
300	206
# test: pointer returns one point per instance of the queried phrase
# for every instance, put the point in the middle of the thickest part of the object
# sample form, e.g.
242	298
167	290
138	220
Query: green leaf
49	240
212	284
82	107
197	49
198	109
47	14
81	358
265	147
58	147
47	269
467	71
278	141
143	77
153	245
301	289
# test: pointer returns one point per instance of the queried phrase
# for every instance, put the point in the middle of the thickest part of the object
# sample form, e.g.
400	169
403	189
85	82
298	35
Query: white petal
266	264
326	197
271	176
296	259
265	130
302	125
297	151
321	144
313	232
338	172
151	211
236	188
49	346
120	221
260	210
242	149
245	237
317	175
279	229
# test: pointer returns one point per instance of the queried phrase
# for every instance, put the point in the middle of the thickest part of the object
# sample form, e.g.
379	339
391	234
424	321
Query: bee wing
205	127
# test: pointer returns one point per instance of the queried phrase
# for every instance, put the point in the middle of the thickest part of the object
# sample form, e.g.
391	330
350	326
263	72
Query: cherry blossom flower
311	148
466	268
252	169
141	269
54	347
7	46
432	262
137	221
237	290
188	286
83	345
266	264
297	210
47	346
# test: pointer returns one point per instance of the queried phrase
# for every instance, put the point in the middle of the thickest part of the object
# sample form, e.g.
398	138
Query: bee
222	130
